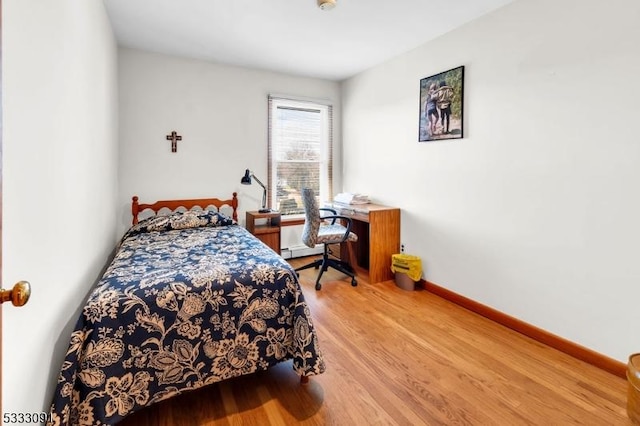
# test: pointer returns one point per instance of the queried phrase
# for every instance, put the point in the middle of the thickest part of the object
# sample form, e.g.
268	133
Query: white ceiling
290	36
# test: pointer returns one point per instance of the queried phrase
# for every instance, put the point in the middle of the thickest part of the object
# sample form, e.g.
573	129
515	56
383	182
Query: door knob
19	294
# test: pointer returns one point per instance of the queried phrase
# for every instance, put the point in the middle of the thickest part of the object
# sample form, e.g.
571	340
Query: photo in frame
441	106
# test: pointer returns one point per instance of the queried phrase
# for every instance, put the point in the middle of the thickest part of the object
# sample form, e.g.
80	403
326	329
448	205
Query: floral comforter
189	299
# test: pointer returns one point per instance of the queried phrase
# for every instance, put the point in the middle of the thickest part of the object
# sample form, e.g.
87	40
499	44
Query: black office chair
325	230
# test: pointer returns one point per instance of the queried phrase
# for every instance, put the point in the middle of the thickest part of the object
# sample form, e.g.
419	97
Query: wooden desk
378	231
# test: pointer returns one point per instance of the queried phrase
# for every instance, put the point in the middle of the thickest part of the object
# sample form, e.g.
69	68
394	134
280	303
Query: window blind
300	153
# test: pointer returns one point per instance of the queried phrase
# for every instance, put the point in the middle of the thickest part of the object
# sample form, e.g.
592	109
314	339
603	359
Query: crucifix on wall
174	138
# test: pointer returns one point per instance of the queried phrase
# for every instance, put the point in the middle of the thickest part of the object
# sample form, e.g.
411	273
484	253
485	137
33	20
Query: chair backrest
312	216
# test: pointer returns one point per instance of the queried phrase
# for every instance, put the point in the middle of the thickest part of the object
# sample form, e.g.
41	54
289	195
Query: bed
190	299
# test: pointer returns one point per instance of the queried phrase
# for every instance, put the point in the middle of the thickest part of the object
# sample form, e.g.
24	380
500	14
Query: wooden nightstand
268	228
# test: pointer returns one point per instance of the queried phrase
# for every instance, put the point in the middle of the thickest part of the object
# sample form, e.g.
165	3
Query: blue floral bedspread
189	299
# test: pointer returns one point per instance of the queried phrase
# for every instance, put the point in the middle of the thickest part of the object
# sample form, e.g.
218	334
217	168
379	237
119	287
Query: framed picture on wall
441	107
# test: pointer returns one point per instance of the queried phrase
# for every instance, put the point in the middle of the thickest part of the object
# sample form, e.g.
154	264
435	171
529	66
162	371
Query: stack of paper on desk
347	209
351	198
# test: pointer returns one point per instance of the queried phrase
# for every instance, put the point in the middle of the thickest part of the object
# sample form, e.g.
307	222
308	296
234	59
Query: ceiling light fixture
326	4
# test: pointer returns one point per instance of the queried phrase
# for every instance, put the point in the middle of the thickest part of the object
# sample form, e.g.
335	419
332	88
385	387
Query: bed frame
203	203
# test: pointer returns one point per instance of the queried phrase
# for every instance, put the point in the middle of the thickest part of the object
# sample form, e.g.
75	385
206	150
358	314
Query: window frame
326	147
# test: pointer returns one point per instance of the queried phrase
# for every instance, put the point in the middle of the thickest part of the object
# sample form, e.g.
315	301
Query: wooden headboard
203	203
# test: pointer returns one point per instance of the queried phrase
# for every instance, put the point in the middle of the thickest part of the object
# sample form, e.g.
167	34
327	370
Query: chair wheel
298	274
318	286
354	282
317	266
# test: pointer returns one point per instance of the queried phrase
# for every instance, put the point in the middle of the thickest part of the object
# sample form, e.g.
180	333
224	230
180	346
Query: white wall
220	112
536	211
59	181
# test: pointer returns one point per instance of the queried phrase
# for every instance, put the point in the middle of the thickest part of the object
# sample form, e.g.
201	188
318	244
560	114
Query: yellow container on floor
407	269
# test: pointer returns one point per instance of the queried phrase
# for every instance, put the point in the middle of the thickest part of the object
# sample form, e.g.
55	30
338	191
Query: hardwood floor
397	357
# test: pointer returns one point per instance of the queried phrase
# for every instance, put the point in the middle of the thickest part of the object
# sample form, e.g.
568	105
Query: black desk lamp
246	180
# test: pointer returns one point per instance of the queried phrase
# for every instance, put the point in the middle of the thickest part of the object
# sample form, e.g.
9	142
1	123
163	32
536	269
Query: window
300	153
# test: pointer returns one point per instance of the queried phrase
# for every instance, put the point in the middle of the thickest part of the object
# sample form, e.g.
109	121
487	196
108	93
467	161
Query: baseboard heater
300	251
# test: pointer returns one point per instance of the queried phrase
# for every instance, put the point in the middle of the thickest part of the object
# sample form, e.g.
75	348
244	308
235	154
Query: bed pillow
180	220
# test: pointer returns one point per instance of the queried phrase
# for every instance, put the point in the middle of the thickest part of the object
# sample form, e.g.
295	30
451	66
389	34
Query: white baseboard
300	251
